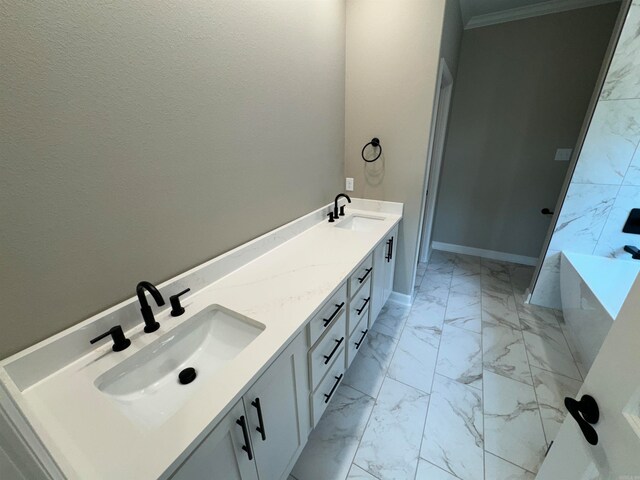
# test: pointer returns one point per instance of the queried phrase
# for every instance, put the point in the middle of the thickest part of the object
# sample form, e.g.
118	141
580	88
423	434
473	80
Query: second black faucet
337	213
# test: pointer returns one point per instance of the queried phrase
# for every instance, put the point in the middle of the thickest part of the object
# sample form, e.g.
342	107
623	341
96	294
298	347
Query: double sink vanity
229	388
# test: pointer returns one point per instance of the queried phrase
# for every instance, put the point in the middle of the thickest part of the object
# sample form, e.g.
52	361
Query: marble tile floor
466	384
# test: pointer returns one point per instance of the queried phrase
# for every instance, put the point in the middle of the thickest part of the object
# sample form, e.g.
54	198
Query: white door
276	414
614	383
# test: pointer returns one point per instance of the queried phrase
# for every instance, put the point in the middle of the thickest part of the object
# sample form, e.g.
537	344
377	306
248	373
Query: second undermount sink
360	223
146	385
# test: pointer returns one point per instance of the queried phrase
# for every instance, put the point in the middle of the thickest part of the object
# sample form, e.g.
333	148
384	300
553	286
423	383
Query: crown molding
520	13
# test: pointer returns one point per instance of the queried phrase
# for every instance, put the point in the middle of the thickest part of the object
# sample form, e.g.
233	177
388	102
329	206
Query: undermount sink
146	386
360	223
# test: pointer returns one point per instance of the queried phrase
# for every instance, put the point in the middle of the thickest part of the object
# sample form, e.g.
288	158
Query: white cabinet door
220	456
384	266
614	382
377	281
390	262
277	407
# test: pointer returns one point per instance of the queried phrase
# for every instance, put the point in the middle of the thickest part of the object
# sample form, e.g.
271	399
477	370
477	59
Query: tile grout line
375	403
433	378
510	463
384	376
363	469
533	383
484	433
573	357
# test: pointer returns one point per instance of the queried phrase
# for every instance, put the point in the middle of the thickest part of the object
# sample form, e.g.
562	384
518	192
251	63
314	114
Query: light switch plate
563	154
349	184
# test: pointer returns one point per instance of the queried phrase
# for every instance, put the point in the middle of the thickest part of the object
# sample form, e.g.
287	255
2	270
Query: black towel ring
375	142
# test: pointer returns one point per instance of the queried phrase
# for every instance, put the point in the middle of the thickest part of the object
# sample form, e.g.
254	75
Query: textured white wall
605	184
139	139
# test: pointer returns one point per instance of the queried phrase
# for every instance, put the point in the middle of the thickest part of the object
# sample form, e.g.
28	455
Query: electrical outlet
563	154
349	184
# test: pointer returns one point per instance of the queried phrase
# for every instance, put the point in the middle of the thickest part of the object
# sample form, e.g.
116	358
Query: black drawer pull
328	396
389	249
260	429
328	358
364	334
327	321
359	311
245	433
364	277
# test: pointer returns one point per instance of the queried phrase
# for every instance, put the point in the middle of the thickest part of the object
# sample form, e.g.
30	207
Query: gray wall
522	91
8	469
393	52
139	139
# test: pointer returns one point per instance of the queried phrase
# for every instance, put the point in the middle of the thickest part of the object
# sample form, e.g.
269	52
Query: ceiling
484	12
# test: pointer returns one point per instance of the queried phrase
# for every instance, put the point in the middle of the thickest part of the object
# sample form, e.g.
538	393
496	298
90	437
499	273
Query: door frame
442	107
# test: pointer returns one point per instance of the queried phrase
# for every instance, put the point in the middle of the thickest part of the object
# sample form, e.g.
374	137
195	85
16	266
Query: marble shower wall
605	184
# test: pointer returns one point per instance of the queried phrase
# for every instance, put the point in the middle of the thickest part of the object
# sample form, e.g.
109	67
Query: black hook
586	413
375	143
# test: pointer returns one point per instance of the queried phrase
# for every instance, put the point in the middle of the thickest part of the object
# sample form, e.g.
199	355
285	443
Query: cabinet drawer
359	306
322	355
356	340
327	388
328	314
360	276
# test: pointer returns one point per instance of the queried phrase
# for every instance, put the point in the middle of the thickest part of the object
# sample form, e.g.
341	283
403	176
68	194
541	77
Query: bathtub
593	289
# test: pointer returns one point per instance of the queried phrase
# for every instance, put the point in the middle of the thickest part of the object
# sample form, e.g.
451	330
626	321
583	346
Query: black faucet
340	213
150	324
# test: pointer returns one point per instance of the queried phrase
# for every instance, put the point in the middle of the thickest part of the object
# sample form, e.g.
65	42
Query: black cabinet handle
328	396
327	321
546	211
389	249
260	429
245	433
364	277
359	311
335	349
586	413
364	334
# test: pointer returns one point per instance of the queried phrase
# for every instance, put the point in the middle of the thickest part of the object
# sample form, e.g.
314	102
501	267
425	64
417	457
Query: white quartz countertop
87	431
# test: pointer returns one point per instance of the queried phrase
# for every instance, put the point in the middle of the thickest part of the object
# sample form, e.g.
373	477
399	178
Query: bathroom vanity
231	388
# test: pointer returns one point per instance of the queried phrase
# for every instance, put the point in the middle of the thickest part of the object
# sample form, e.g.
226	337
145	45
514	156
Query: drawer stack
359	301
336	334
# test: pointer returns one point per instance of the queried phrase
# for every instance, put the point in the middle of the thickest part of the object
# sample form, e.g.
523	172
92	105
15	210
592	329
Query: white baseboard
401	299
480	252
